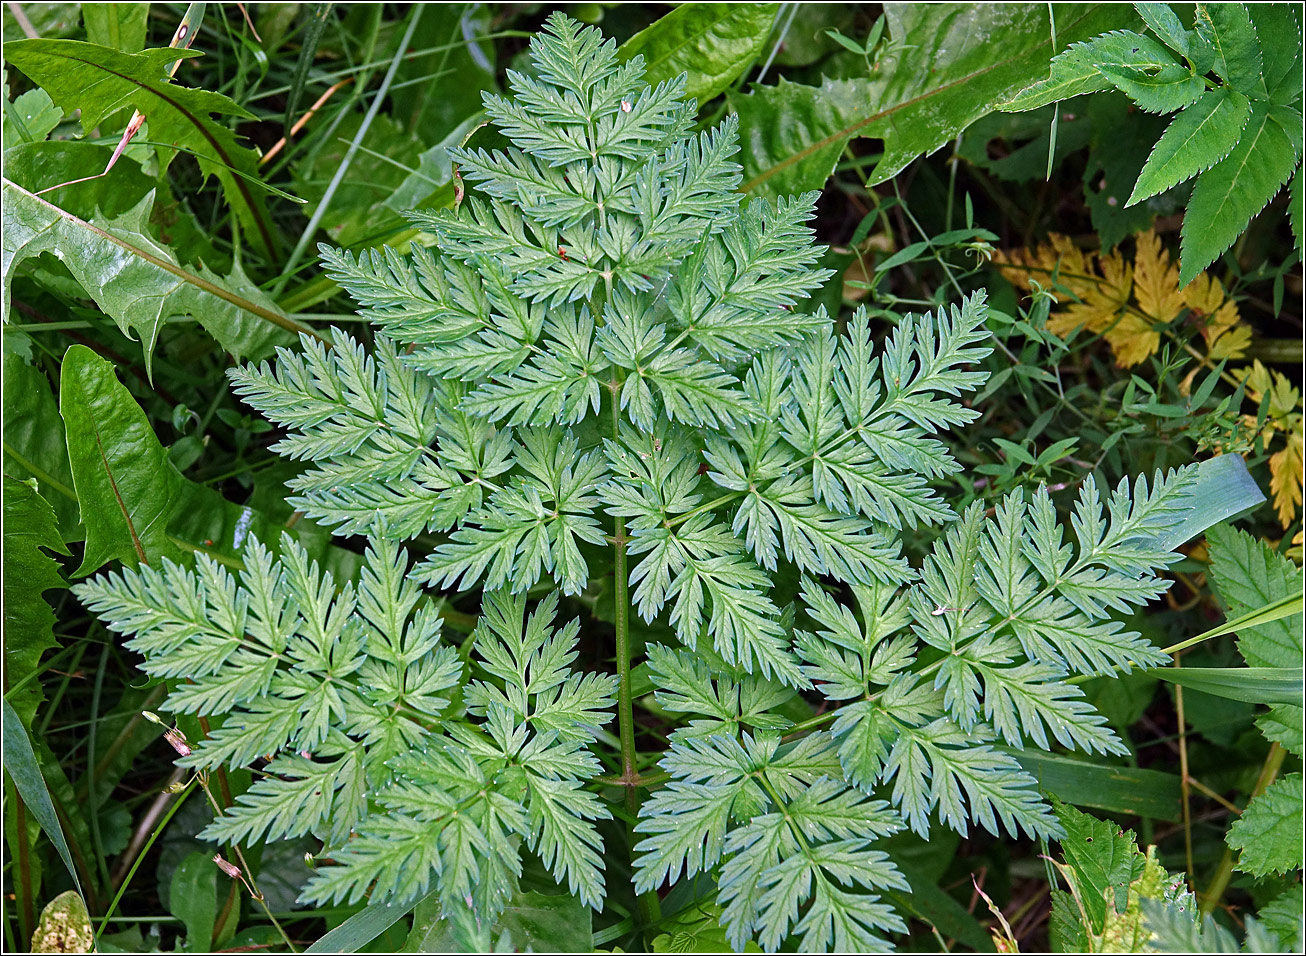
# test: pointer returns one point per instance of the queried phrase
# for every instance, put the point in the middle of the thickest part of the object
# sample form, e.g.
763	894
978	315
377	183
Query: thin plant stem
1185	805
311	229
246	875
1224	872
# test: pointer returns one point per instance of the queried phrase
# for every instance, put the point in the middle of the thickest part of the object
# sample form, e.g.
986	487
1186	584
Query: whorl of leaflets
602	336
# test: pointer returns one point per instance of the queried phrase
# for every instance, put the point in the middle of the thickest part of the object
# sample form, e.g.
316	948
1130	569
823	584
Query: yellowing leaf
1232	344
1132	340
1286	478
1204	295
1156	281
1126	302
1221	321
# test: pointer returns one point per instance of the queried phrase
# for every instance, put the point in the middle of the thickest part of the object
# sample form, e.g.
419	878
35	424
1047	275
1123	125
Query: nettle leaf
100	82
603	363
1268	833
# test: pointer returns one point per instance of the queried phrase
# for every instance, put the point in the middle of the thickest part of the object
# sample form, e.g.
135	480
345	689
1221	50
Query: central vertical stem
625	696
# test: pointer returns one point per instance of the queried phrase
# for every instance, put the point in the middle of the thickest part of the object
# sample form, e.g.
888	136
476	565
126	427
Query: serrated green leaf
29	119
1297	209
1198	138
1248	575
1227	29
1283	916
1166	24
1155	89
1230	193
713	42
1268	833
1105	858
1283	725
1079	69
1278	31
100	81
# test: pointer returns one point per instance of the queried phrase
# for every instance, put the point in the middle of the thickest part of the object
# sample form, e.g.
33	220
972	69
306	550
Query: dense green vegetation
633	477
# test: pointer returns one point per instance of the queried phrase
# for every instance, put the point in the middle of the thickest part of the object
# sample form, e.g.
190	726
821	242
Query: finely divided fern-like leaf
602	348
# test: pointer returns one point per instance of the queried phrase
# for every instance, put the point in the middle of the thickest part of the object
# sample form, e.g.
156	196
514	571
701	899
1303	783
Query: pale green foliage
1240	134
347	693
609	350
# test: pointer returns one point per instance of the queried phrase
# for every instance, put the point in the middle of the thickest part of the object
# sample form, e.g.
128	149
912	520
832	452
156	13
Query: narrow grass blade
1255	685
20	761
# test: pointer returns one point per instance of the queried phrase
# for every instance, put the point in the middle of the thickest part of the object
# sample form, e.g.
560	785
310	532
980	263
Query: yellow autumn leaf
1132	339
1286	478
1156	281
1126	301
1204	295
1231	344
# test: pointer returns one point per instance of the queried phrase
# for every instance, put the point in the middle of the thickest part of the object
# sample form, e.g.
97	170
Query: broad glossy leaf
34	444
791	135
980	56
137	281
148	501
29	572
194	899
1198	138
713	42
1229	194
30	119
100	81
125	484
118	26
